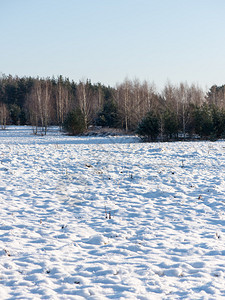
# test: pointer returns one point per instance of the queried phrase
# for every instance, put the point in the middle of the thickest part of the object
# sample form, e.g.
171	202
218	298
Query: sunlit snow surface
166	235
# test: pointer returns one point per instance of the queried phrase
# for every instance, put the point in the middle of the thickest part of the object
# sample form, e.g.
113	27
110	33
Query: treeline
178	111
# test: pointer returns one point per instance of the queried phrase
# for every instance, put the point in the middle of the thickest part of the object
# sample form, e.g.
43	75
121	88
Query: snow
164	234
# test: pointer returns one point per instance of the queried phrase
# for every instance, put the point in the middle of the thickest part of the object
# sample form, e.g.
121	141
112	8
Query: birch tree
90	100
39	105
62	96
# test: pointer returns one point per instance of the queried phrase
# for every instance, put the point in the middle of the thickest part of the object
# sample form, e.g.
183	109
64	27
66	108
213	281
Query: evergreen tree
74	123
218	119
109	115
203	121
15	113
170	124
149	127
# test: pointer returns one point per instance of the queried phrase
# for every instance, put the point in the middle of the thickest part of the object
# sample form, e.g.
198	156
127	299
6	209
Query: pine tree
149	127
74	123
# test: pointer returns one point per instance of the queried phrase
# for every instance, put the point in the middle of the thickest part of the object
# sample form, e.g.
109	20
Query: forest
179	111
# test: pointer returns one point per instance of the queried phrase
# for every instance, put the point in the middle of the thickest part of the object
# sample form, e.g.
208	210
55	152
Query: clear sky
108	40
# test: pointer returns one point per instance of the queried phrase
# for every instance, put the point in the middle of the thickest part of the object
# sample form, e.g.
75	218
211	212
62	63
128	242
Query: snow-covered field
164	235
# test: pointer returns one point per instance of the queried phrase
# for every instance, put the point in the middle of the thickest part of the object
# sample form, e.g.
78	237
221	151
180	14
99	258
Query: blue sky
108	40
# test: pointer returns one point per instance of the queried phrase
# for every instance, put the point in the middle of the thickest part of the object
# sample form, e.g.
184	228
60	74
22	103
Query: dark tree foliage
109	115
149	127
204	121
218	118
13	92
170	124
74	123
10	93
15	114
